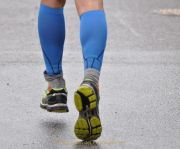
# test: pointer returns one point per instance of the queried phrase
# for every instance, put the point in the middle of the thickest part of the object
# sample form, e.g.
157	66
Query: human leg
93	35
51	27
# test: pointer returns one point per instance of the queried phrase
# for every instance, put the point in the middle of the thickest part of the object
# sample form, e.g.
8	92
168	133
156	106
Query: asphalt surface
139	84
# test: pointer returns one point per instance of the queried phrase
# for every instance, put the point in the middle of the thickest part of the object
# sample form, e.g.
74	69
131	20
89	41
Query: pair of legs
93	35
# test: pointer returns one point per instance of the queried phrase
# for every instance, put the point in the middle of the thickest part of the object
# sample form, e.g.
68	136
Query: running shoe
86	98
55	100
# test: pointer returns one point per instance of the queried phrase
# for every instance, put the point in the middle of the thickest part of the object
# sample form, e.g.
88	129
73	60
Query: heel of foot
88	94
86	91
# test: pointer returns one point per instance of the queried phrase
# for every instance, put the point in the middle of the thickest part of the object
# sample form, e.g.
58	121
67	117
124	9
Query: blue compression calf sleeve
51	27
93	35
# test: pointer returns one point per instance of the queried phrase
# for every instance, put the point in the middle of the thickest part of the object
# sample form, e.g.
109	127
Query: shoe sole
86	128
58	109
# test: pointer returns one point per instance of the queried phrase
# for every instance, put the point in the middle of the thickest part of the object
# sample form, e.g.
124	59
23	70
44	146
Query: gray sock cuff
49	78
55	81
92	74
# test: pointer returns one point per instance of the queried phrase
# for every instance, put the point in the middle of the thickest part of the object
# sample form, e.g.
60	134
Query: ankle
55	81
92	74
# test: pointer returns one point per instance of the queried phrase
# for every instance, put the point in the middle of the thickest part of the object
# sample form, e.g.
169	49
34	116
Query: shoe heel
88	94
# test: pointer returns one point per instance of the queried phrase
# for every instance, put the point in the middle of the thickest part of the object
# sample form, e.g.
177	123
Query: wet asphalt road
139	84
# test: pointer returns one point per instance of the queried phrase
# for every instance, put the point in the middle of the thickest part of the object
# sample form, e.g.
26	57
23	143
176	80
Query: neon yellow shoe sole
88	125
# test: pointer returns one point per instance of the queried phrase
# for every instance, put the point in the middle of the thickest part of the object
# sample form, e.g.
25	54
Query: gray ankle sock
92	74
55	81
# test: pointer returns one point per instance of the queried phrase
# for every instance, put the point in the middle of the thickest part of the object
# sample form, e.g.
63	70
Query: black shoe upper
57	97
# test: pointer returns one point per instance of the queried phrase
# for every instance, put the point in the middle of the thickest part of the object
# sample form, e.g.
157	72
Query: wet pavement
139	84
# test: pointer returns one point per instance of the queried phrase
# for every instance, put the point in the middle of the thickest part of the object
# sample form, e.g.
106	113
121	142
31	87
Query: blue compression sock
93	35
51	27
